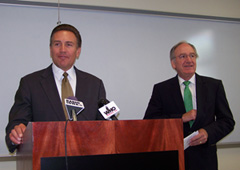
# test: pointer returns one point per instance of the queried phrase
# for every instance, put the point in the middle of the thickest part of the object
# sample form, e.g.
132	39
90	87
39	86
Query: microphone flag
109	110
72	104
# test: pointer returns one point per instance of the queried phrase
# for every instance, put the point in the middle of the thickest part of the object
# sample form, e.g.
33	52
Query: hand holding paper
188	138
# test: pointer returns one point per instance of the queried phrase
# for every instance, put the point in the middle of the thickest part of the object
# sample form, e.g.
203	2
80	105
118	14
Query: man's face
64	50
185	61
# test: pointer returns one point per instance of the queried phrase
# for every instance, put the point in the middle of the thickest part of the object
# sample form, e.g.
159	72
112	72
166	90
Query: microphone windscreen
72	98
102	102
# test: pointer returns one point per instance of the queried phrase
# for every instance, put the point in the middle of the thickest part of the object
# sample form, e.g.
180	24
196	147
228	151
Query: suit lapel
50	89
176	93
80	87
201	99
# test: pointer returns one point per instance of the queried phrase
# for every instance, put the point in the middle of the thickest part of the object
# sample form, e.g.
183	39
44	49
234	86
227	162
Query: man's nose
63	48
188	58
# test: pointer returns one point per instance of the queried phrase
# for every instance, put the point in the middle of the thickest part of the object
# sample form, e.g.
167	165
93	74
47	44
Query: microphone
108	109
73	107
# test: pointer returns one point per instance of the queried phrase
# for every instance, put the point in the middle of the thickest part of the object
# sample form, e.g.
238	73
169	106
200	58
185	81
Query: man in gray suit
210	114
38	97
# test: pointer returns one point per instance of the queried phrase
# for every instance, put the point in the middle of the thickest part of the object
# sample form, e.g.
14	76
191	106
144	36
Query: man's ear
50	51
173	63
78	52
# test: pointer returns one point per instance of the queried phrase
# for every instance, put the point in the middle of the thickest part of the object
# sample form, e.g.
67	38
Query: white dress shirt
192	87
58	76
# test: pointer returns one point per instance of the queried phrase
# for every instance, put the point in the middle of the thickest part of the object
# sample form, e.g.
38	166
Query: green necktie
188	99
66	92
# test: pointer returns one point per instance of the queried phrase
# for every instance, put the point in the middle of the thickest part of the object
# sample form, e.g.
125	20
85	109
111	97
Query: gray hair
172	55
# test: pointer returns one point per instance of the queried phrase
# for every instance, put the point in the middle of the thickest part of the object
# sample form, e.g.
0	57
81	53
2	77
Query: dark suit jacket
37	99
213	115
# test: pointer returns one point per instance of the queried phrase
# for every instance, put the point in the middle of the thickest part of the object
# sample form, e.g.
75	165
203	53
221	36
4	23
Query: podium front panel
47	139
132	161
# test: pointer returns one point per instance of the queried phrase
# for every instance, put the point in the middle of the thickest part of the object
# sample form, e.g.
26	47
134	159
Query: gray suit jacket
37	99
213	115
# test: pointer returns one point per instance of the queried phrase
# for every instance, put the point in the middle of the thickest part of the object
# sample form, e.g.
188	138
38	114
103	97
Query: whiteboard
129	52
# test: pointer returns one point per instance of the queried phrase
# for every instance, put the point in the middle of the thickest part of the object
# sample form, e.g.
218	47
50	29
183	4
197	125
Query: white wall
130	52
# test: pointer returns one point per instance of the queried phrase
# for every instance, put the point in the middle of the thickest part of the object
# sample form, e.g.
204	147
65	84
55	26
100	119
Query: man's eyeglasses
184	56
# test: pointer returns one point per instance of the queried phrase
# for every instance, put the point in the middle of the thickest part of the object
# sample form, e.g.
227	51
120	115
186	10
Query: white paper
188	138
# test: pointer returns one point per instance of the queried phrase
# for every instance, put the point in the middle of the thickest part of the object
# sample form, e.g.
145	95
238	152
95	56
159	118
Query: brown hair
67	27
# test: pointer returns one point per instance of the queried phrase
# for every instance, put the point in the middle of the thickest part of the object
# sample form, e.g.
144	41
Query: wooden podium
47	139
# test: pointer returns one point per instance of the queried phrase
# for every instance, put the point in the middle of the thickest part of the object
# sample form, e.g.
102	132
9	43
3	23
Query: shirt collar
192	80
58	73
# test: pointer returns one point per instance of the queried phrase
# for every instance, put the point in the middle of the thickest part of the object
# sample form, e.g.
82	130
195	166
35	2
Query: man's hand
16	135
199	139
191	115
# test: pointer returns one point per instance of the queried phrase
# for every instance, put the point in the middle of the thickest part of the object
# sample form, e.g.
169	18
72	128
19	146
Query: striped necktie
66	92
188	99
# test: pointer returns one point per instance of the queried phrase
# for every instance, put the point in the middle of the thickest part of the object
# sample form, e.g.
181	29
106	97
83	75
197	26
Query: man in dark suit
210	113
39	96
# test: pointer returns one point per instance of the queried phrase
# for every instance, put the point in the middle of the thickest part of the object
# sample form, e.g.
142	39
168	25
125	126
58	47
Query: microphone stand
74	116
65	135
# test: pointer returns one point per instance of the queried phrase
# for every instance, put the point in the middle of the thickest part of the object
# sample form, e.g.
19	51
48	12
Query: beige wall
7	165
229	158
218	8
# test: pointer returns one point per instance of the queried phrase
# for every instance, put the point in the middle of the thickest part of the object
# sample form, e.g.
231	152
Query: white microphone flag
109	110
73	105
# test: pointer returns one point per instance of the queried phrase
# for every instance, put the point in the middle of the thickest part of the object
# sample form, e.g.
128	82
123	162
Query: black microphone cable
65	137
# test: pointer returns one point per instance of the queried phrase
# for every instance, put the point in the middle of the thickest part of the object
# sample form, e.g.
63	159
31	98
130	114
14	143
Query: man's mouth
188	66
62	56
